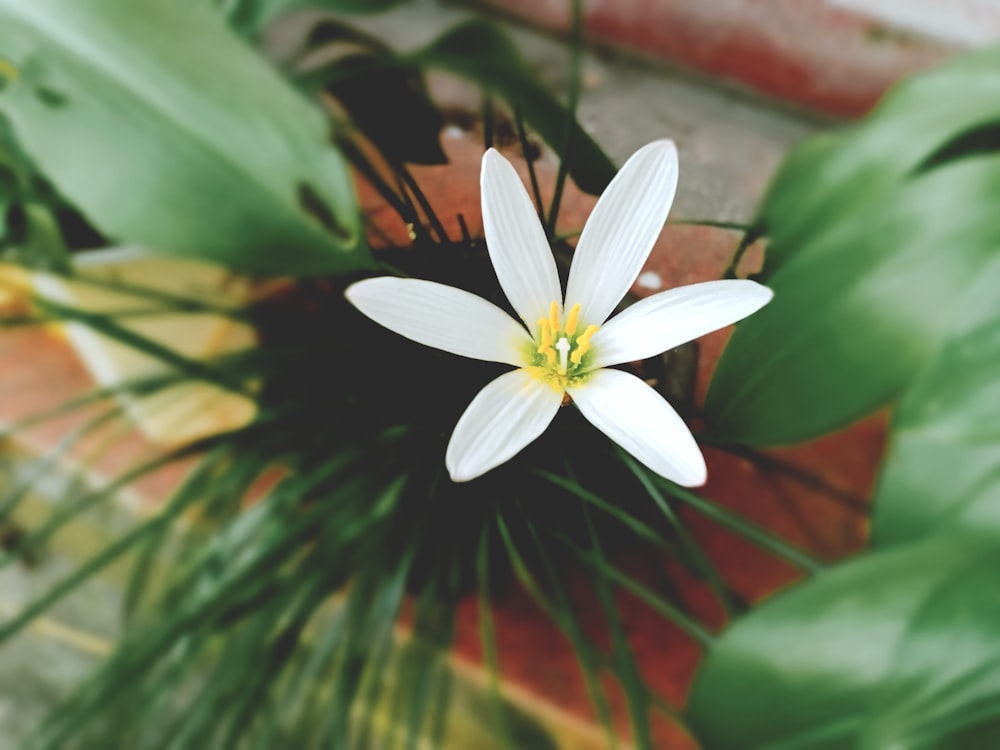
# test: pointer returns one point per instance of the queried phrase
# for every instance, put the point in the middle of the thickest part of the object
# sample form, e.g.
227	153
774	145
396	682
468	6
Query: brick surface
834	57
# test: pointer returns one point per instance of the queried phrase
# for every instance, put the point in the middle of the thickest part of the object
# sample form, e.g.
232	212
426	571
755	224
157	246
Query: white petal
635	416
516	241
621	231
502	419
443	317
668	319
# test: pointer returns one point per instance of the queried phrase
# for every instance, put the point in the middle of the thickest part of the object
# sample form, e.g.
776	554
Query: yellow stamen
556	382
572	320
554	316
545	343
583	344
544	333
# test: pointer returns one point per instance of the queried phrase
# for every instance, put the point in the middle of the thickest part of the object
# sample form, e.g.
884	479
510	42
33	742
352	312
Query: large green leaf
167	131
480	52
920	121
873	235
897	649
943	465
857	315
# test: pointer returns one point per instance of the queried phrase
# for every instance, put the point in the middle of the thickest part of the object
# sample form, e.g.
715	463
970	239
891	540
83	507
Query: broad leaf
168	132
897	649
923	122
480	52
943	465
874	235
856	316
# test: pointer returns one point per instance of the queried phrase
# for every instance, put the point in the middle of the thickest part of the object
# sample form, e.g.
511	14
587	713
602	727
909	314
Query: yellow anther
545	343
572	319
554	316
583	344
544	333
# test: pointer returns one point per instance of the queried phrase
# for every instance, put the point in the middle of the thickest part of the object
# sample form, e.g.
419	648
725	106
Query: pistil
560	350
563	346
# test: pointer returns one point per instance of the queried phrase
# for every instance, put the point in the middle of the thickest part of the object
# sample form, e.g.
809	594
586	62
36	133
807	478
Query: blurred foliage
883	254
263	599
874	236
897	648
943	469
138	130
476	50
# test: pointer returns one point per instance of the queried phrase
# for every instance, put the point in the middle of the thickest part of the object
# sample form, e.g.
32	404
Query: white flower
564	345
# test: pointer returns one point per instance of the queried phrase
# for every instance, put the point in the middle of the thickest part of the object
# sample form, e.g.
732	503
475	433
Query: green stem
746	529
640	529
701	561
407	212
844	498
635	689
752	234
425	204
733	225
525	152
688	624
573	98
488	642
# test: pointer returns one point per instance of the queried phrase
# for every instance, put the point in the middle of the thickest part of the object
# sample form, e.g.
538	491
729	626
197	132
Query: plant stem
843	497
733	225
752	234
425	204
360	162
688	542
525	149
764	539
573	97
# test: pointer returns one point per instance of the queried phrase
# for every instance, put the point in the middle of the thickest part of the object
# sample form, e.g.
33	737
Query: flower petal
443	317
621	231
668	319
503	418
635	416
516	241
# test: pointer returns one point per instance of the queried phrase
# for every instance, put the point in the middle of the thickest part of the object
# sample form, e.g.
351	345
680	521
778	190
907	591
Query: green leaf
480	52
897	649
874	233
167	131
943	466
860	309
919	122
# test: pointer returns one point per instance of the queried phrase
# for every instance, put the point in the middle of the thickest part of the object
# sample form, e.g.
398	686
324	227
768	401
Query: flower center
559	355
